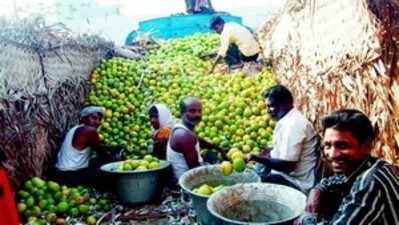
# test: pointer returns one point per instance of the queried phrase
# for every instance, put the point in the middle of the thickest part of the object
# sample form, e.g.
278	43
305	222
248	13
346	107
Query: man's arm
183	142
363	206
215	62
224	42
288	149
93	140
207	145
224	46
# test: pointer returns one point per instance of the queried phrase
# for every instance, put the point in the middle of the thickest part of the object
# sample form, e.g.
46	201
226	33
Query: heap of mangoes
147	163
207	189
47	202
234	113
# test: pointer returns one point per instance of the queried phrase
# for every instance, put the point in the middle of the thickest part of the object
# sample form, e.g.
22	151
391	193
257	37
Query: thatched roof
43	84
340	54
35	58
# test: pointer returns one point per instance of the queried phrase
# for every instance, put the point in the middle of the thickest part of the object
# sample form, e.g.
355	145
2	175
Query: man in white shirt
237	43
293	159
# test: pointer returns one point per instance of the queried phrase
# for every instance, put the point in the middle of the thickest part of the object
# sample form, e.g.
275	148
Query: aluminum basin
137	186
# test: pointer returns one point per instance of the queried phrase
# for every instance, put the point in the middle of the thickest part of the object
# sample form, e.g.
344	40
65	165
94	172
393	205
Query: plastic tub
257	204
137	186
211	175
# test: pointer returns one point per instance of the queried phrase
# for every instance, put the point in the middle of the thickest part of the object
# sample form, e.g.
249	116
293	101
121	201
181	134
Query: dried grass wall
340	54
43	84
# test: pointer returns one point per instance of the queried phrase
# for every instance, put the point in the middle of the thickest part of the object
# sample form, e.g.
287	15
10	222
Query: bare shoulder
180	132
181	136
86	132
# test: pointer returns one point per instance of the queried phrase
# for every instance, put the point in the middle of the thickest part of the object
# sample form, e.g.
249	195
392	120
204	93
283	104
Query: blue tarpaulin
177	26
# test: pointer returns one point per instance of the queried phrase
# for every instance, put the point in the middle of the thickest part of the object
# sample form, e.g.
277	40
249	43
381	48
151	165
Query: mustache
196	119
342	159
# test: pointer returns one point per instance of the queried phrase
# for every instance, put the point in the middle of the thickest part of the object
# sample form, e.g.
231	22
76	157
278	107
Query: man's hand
298	221
312	208
215	62
119	155
306	219
223	152
313	202
213	67
265	153
111	152
249	157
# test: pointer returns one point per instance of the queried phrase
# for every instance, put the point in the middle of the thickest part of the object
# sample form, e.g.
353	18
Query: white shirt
294	139
176	159
234	33
70	158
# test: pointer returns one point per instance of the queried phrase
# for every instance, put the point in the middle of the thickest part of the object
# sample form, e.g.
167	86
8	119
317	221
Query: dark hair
351	120
185	101
183	105
215	21
153	110
280	94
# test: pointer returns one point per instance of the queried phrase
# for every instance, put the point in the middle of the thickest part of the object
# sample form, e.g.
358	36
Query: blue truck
177	26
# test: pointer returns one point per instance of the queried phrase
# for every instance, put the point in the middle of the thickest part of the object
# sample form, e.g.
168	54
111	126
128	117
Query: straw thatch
340	54
43	84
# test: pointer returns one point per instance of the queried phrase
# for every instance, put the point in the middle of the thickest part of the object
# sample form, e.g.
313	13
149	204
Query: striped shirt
373	197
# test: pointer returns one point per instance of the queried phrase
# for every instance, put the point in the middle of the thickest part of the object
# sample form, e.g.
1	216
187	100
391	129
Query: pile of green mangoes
147	163
207	189
234	112
47	202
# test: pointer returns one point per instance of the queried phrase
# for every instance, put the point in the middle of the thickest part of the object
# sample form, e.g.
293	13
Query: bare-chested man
183	149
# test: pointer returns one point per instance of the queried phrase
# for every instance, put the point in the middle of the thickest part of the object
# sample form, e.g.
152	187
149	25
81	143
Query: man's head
154	117
348	138
217	24
279	101
91	116
191	111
